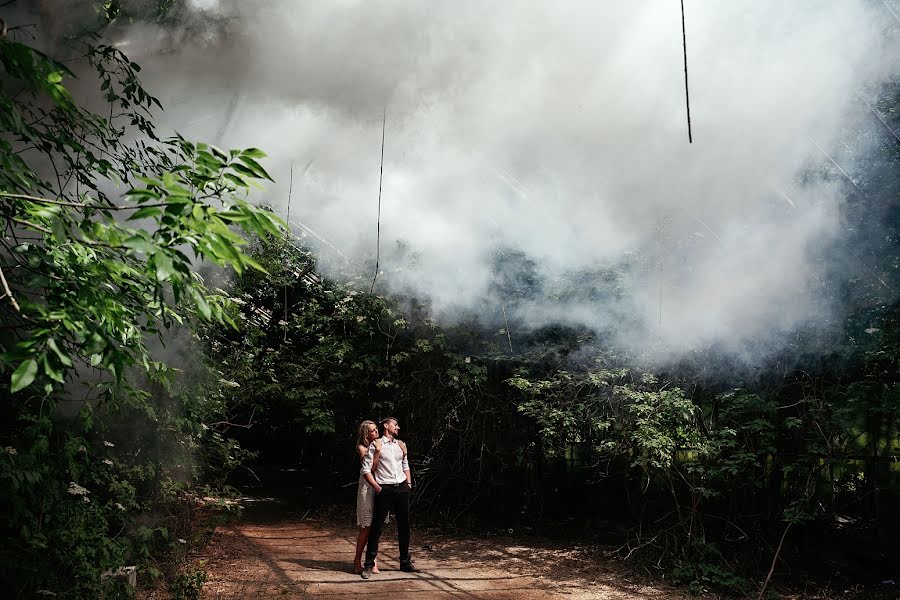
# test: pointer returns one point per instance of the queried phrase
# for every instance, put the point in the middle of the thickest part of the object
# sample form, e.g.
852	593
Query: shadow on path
298	558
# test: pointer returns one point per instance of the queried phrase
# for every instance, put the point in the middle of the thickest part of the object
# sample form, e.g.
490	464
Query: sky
557	130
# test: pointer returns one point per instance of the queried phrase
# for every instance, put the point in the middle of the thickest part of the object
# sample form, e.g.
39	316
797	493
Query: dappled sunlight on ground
312	559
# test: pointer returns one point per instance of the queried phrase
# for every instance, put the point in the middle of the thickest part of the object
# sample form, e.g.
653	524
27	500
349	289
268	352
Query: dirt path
312	559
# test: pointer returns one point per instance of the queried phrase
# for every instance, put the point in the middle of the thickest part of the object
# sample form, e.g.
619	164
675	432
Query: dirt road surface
312	559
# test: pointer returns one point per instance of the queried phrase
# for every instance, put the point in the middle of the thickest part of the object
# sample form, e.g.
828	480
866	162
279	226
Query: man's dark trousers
393	498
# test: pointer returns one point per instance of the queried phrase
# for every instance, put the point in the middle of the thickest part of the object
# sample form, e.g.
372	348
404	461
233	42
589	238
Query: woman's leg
361	540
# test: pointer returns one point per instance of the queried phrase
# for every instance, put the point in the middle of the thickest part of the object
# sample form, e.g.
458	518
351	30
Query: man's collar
385	439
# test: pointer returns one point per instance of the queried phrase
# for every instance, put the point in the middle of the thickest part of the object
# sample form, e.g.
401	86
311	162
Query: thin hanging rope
494	253
290	191
506	323
378	222
687	98
659	233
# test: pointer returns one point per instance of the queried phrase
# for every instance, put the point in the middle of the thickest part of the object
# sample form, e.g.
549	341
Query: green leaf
255	167
245	171
203	306
94	343
176	203
267	223
139	244
248	261
234	216
164	267
24	375
44	211
63	358
238	181
51	371
254	153
179	191
147	211
149	181
143	194
218	153
59	231
206	159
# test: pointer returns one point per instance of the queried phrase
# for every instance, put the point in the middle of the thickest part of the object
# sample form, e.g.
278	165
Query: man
392	482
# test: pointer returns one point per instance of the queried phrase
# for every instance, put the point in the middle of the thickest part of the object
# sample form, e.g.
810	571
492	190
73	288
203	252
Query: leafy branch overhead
103	222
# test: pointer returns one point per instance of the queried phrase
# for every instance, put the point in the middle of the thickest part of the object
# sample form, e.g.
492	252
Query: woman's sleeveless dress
365	503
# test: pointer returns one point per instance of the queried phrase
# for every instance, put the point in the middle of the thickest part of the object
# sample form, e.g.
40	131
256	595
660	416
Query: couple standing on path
384	487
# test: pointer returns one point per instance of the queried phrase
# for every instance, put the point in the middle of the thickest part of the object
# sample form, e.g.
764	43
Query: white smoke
558	129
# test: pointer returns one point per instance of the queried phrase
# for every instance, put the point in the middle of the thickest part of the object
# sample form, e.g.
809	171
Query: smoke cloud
556	130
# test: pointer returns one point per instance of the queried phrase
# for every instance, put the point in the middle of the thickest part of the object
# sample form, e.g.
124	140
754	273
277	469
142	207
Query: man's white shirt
391	463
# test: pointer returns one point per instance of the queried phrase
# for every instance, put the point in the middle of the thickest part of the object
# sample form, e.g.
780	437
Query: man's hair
386	419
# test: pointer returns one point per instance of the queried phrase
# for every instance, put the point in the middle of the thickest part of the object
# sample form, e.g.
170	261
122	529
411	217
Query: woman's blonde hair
363	435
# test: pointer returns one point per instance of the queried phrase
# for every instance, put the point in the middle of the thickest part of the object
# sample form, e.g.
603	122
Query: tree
102	223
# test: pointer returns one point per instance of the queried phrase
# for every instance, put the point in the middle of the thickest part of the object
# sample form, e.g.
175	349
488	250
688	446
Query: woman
365	495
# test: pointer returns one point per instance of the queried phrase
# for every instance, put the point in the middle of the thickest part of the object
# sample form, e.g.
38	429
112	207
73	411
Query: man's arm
372	482
406	470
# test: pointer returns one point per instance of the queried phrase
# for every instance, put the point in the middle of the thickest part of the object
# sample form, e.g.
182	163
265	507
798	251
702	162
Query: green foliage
307	348
188	584
707	460
703	569
101	225
287	366
712	470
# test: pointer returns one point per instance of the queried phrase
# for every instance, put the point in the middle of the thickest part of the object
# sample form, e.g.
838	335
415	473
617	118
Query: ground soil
311	558
275	551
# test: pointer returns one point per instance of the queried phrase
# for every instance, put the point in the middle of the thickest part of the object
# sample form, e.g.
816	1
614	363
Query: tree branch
774	560
34	226
43	200
8	292
80	204
230	424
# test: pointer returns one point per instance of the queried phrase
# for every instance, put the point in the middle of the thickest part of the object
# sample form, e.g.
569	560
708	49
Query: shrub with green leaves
188	584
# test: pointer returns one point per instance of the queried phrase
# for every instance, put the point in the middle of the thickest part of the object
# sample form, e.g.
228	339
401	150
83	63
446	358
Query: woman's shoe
357	567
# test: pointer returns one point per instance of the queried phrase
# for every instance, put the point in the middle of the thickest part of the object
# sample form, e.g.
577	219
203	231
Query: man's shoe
409	568
366	573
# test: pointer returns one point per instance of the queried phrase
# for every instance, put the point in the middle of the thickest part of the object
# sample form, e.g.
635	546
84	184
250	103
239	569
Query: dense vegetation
109	452
99	217
693	473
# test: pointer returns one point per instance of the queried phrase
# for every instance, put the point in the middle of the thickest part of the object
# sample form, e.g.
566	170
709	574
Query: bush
188	583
